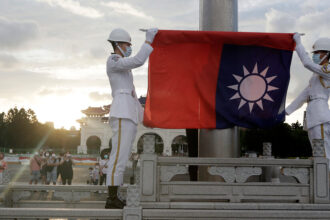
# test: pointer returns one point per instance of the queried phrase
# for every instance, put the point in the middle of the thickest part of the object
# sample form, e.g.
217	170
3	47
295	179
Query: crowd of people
48	167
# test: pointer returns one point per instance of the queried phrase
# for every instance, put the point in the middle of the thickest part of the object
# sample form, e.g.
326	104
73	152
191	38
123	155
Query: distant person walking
96	174
103	168
35	164
60	167
51	169
67	170
90	176
43	172
3	167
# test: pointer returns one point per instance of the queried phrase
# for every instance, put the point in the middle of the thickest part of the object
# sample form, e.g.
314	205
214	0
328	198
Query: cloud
315	22
279	21
97	96
57	91
98	53
14	34
75	7
8	61
125	8
28	84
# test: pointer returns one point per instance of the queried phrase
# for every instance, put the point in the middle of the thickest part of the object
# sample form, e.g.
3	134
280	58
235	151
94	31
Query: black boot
113	202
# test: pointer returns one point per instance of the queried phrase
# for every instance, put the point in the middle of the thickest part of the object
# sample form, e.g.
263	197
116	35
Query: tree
287	141
20	130
20	127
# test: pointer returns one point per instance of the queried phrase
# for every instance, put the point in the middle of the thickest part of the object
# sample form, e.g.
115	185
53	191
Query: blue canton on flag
252	86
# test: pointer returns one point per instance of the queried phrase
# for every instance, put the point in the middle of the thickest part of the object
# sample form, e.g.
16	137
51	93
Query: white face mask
317	58
126	53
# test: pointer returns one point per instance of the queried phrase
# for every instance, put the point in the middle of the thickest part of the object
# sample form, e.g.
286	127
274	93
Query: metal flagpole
218	15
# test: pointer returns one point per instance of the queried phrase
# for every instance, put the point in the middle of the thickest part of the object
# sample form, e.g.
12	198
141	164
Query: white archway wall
100	133
103	131
167	136
173	135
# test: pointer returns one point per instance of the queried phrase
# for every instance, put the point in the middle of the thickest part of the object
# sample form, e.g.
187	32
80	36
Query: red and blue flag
203	79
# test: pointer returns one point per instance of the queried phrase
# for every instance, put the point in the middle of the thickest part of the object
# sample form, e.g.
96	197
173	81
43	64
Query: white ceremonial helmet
119	35
321	44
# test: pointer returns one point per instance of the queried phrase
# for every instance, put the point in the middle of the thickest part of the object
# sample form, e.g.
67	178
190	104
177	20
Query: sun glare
62	110
253	88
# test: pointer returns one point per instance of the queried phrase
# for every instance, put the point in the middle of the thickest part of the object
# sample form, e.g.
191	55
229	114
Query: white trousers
124	132
321	131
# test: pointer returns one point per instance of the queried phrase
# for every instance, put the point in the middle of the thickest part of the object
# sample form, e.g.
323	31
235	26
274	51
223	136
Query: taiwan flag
206	79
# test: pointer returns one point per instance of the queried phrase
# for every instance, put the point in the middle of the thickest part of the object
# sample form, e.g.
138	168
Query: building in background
96	134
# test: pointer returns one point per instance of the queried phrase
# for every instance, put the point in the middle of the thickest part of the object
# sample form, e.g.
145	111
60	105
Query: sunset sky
53	52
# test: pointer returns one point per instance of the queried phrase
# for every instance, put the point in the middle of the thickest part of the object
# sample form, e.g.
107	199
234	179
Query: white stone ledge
6	213
235	206
203	183
59	204
237	214
51	187
235	161
184	210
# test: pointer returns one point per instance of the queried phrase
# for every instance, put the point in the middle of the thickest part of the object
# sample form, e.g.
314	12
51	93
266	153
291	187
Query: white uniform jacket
125	103
316	94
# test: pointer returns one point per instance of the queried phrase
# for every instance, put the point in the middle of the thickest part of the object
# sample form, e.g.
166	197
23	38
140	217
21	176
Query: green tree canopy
287	140
21	131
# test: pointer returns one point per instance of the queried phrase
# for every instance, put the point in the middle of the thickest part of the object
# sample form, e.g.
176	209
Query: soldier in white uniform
126	111
316	94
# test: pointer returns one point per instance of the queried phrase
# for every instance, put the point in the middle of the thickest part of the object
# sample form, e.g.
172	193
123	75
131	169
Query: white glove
150	34
297	38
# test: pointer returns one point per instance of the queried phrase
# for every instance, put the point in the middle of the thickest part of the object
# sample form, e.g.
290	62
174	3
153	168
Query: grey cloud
75	7
316	21
279	21
97	96
8	62
14	34
98	53
126	9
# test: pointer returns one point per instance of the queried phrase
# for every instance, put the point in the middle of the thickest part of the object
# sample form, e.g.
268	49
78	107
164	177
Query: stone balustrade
310	186
297	188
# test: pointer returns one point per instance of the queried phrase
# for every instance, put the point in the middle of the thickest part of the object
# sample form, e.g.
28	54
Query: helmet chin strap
121	50
325	57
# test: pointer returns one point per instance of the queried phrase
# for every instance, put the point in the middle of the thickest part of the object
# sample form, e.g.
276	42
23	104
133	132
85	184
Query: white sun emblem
253	87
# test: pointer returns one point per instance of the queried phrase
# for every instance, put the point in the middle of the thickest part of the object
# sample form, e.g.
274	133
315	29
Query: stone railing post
321	172
133	210
148	172
267	149
270	174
